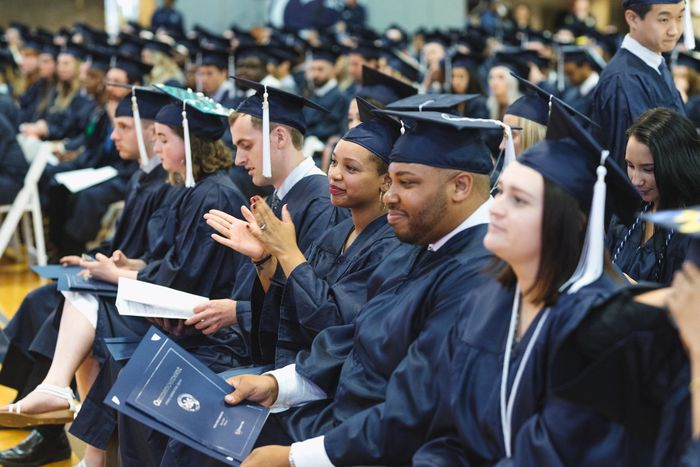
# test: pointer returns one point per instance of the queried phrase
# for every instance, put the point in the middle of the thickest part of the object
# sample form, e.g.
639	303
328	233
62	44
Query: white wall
410	14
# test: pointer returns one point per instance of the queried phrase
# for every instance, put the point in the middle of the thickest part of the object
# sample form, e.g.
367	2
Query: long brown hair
207	157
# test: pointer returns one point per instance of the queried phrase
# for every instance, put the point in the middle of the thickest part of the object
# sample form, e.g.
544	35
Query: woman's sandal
14	418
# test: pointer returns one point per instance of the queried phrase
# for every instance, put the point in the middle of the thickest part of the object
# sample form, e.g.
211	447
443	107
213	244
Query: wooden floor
16	279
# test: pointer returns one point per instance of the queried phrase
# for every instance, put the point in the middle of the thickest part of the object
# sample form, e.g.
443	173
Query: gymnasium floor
16	279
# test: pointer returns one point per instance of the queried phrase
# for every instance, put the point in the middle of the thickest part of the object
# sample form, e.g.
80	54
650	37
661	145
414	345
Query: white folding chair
27	202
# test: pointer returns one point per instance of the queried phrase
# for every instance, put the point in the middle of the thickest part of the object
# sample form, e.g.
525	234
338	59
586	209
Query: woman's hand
235	233
213	315
102	269
278	236
71	260
684	304
122	261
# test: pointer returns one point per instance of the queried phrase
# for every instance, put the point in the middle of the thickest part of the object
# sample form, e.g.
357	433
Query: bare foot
40	402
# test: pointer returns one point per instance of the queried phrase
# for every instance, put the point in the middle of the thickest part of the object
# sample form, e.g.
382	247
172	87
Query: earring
382	206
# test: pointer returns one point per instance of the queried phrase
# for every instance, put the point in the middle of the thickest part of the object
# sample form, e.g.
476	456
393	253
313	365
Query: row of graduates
350	338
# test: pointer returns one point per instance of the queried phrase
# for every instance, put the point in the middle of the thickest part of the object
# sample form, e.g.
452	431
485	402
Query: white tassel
139	131
189	176
688	32
590	265
267	165
510	147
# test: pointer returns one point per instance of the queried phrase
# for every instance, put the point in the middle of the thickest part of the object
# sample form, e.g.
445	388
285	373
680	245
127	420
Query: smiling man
637	78
438	200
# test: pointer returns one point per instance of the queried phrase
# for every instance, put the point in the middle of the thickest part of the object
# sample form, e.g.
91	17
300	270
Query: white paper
136	298
79	180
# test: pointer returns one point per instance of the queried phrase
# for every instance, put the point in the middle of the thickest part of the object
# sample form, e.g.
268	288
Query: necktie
276	205
667	76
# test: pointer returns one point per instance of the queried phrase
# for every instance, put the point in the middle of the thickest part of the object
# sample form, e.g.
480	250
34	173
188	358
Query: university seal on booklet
188	402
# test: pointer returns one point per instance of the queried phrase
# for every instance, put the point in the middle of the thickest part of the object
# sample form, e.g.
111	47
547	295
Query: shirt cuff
310	453
294	389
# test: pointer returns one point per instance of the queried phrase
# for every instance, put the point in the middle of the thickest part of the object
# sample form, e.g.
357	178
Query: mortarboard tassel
139	131
509	155
688	33
189	177
590	265
267	166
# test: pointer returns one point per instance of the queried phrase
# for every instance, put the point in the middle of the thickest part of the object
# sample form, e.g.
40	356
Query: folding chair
27	202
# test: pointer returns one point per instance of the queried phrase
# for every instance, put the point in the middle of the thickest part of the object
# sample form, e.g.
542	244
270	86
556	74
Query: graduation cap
326	53
441	140
130	45
98	57
157	46
50	49
74	50
135	69
253	50
462	60
367	50
581	54
382	87
688	60
142	103
431	102
688	35
377	133
194	113
274	105
404	64
22	28
209	38
570	158
513	61
535	104
685	221
219	58
281	53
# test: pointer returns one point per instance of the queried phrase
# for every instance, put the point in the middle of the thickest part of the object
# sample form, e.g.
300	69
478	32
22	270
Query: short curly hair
207	157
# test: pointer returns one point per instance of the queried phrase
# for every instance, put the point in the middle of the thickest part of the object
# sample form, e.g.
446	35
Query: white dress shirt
648	56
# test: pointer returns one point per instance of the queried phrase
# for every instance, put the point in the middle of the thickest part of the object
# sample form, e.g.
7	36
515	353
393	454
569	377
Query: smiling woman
665	179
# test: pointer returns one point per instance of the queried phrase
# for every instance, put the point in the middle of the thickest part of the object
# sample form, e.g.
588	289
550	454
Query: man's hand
211	316
261	389
71	260
268	456
102	268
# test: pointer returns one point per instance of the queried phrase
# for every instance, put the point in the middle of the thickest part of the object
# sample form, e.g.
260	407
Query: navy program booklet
77	283
166	388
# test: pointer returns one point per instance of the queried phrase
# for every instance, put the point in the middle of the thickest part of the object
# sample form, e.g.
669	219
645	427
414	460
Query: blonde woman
165	70
68	111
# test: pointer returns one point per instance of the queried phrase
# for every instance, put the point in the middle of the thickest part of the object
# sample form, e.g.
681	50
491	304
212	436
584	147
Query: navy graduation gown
692	455
330	288
13	165
627	88
625	361
185	258
69	122
312	214
573	97
324	125
353	363
654	261
31	328
32	97
545	430
417	301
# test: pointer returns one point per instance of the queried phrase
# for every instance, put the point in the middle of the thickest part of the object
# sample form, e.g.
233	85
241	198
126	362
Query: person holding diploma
32	330
181	257
438	201
327	286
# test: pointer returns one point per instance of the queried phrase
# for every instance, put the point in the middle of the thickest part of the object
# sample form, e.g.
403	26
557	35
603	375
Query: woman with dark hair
181	256
493	371
327	284
663	163
465	80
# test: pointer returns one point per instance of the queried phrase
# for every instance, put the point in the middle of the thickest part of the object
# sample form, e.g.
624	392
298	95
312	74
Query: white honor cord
509	153
507	406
